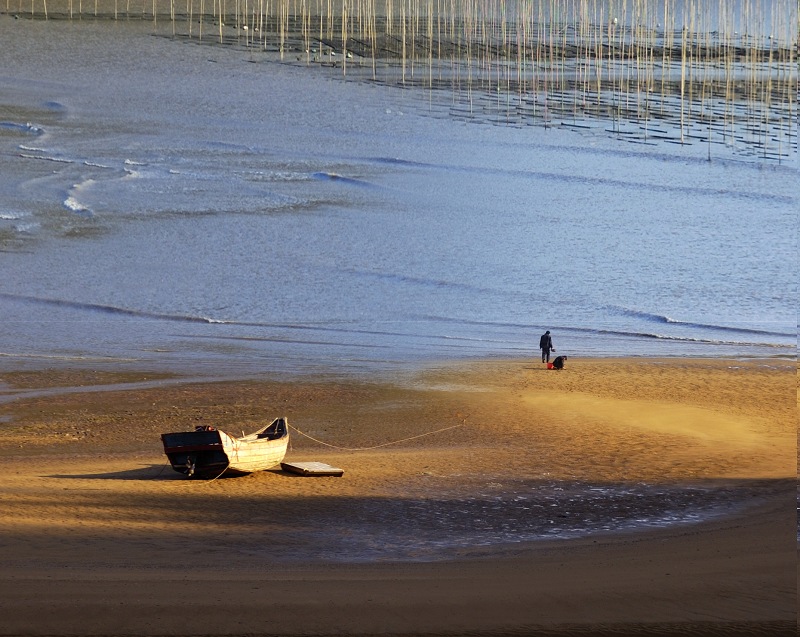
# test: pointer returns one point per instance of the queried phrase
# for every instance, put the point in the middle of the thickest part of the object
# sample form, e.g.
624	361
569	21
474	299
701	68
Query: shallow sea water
177	206
442	525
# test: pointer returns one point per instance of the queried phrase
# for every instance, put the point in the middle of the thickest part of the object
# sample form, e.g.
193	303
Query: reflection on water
420	529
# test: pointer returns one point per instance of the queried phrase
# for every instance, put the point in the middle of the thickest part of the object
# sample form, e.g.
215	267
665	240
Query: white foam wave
130	162
59	160
70	203
95	165
83	185
27	227
73	203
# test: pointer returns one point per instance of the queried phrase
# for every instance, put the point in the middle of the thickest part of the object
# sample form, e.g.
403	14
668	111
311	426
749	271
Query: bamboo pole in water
404	37
736	61
729	113
684	38
344	36
598	61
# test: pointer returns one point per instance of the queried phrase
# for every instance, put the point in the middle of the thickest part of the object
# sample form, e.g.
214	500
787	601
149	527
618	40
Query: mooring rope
385	444
327	444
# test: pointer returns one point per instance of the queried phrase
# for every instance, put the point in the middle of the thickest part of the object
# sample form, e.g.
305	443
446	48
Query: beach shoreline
101	537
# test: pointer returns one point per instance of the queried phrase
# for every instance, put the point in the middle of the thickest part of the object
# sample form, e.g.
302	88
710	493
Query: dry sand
99	537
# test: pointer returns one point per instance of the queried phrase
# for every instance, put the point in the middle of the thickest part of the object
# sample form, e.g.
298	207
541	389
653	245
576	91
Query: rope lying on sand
385	444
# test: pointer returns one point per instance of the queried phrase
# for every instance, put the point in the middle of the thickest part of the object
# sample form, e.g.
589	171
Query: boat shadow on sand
146	472
158	472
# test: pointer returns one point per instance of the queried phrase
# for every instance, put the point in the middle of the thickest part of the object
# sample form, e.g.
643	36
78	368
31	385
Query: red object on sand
549	365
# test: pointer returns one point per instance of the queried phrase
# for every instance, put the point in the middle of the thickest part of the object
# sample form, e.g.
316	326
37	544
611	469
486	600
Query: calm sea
198	207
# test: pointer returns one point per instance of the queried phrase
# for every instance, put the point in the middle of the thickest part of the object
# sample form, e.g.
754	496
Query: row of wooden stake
707	59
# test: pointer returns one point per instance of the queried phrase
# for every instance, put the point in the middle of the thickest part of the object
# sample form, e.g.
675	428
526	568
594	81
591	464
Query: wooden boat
208	452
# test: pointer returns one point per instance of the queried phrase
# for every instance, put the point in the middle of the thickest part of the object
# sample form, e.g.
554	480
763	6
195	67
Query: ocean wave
453	337
63	160
54	106
92	164
59	160
280	176
604	181
667	188
188	318
27	128
325	176
691	339
64	357
73	203
11	216
285	340
27	227
435	283
663	319
632	334
107	309
393	161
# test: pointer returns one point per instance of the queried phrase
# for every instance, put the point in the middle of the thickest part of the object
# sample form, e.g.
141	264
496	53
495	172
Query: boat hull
208	452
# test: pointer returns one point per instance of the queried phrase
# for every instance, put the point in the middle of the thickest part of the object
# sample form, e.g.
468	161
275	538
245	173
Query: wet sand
100	537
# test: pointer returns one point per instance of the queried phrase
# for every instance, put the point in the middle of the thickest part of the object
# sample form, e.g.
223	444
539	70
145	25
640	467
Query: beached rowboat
209	452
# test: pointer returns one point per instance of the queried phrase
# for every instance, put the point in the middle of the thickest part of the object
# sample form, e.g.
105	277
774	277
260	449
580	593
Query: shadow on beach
150	472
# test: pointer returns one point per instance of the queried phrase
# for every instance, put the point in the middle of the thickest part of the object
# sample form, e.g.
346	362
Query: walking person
546	345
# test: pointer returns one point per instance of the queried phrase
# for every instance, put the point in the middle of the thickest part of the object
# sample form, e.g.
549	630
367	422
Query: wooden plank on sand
311	469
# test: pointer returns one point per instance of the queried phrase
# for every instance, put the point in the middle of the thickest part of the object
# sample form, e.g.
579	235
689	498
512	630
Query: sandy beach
100	537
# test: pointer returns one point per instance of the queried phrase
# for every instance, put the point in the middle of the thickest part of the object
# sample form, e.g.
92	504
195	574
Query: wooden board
311	469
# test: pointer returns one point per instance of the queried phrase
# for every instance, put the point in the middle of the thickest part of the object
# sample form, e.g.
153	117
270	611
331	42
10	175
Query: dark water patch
426	282
56	107
497	515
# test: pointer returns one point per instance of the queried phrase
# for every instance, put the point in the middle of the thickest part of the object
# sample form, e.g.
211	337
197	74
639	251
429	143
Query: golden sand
99	536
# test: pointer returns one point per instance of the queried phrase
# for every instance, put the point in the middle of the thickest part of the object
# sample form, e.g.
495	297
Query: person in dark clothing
558	362
546	345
